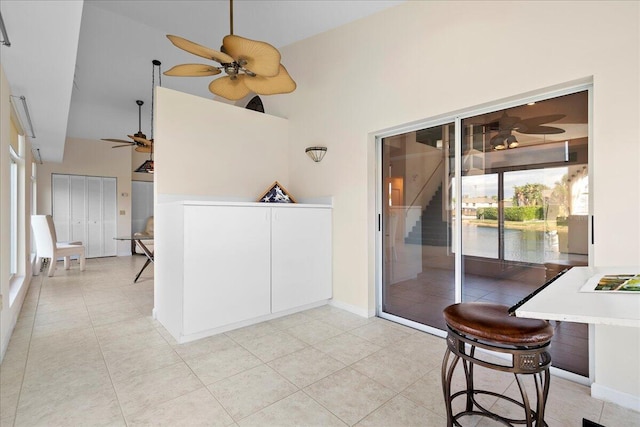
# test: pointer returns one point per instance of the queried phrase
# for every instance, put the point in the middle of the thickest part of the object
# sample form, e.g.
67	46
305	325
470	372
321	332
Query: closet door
94	239
85	210
109	218
77	203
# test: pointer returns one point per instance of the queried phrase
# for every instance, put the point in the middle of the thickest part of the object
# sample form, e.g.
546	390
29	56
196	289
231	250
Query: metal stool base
531	360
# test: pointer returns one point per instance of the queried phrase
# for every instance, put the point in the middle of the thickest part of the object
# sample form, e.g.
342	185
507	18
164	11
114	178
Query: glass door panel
418	268
524	205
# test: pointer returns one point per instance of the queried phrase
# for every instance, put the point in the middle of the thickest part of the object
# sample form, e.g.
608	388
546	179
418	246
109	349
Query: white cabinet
220	266
84	209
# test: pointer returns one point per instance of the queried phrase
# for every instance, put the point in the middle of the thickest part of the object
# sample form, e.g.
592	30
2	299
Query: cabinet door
226	265
301	257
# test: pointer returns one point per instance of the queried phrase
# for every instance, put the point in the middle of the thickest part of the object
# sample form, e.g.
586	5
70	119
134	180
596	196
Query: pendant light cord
231	16
155	63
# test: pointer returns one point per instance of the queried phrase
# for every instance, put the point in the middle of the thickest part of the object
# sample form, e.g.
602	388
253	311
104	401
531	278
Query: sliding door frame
457	117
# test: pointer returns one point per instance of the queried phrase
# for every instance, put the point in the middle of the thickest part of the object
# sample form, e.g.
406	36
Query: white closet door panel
109	217
61	209
301	257
226	264
94	198
77	186
94	217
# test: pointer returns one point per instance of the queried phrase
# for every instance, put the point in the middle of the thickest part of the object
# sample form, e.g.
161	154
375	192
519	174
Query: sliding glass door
418	175
519	213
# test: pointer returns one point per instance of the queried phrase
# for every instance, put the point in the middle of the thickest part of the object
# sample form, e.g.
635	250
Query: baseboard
625	400
185	338
352	308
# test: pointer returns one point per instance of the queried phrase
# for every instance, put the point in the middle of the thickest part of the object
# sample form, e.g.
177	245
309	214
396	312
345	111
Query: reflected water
529	246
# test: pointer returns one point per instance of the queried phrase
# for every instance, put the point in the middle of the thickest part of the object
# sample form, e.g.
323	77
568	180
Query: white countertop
563	300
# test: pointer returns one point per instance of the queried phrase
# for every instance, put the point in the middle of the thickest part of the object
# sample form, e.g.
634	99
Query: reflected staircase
430	229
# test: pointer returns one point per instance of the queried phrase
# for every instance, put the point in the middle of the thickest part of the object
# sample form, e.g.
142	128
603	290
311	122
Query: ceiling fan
531	126
250	65
138	139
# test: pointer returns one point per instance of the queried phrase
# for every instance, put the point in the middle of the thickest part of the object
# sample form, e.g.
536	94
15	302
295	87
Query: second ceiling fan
138	139
251	66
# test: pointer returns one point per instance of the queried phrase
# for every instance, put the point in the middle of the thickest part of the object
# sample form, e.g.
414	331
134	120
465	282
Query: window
13	212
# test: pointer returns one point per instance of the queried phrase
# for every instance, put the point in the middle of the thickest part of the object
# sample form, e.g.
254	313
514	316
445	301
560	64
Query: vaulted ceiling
82	65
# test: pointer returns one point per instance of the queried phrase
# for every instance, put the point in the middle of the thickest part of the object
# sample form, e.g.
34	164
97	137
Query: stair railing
436	170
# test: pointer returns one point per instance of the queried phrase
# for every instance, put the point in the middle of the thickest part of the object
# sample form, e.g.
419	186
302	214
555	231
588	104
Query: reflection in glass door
418	269
523	207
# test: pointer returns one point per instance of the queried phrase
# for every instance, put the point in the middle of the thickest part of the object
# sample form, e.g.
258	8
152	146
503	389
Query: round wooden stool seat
490	327
492	322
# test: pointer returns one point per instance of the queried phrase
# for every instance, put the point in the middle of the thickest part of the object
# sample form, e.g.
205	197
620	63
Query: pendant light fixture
148	166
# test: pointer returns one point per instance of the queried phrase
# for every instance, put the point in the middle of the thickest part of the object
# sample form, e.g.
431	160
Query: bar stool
490	327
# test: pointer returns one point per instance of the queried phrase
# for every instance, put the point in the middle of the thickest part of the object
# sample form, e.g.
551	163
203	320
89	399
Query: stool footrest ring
484	412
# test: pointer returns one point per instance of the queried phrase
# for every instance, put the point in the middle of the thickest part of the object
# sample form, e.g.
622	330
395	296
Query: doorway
487	207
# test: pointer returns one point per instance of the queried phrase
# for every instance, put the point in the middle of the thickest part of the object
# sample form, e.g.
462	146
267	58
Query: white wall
93	158
207	148
424	59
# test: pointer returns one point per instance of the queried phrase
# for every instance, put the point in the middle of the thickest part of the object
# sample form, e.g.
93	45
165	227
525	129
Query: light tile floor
86	352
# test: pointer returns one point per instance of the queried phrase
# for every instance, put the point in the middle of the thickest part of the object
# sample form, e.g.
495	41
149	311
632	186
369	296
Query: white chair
47	245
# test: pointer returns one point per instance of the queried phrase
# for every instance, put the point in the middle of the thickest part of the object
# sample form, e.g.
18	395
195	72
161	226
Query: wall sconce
316	153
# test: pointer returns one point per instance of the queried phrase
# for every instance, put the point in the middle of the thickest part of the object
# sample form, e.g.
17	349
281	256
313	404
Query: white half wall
210	149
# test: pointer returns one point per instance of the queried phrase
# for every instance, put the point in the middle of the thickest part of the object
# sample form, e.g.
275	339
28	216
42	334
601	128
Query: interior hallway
86	351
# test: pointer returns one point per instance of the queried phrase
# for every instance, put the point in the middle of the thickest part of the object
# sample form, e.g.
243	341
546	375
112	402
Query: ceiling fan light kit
249	65
138	139
504	139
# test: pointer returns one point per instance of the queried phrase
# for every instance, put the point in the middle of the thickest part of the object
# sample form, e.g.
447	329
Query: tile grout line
106	365
26	360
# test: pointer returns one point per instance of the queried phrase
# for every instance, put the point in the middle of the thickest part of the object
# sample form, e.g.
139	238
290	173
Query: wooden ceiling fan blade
282	83
199	50
143	149
192	70
232	89
117	140
541	130
125	145
539	120
258	57
140	140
